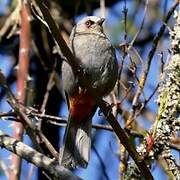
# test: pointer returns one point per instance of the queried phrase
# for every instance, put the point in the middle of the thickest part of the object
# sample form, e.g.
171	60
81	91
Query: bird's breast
97	58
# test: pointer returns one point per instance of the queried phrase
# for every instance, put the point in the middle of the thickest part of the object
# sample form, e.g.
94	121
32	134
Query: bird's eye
89	23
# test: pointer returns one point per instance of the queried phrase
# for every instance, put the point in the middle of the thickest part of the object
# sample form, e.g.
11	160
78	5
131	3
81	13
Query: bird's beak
100	22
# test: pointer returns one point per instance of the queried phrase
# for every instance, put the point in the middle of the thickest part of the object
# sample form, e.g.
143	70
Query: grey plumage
77	142
76	149
97	57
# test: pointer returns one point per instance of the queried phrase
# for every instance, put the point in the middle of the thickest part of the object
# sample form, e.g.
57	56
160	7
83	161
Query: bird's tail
77	144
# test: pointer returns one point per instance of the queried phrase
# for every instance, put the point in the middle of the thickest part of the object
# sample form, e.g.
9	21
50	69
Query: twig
123	156
83	80
144	74
162	62
59	121
22	75
49	87
143	105
175	146
127	48
152	94
35	157
141	27
12	22
25	120
62	122
46	96
125	11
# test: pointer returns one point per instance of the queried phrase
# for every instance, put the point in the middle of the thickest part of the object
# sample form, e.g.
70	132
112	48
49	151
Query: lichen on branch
167	122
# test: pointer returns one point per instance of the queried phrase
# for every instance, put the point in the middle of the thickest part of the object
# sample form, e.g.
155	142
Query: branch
83	80
58	121
167	122
22	76
31	130
144	74
38	159
62	122
10	27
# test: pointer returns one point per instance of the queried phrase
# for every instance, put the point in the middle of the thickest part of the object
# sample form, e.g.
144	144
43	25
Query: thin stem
22	74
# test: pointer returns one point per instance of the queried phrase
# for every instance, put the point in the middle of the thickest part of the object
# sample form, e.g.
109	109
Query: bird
96	55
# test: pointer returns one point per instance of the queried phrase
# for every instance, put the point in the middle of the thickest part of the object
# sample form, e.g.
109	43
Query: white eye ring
89	23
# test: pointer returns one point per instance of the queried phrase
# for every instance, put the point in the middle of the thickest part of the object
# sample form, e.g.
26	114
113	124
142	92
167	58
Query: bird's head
90	24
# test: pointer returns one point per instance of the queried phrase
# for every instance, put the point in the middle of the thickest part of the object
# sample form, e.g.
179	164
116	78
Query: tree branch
31	130
38	159
144	74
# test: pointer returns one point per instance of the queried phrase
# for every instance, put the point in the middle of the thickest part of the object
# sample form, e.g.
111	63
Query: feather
77	144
